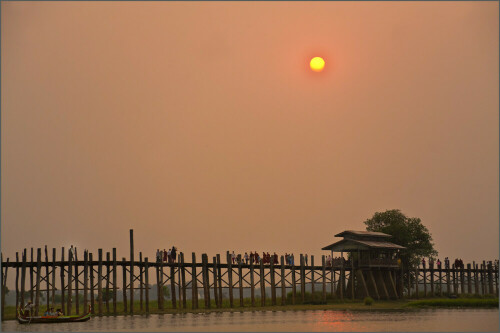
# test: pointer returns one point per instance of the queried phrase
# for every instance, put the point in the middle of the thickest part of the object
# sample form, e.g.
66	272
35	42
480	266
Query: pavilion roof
347	245
362	234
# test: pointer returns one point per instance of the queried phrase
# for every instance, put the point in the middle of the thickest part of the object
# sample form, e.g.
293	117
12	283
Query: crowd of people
458	263
166	256
255	258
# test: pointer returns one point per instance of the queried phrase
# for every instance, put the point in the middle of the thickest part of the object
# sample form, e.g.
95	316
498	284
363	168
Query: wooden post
401	281
159	277
495	277
62	279
273	282
146	277
440	281
179	284
342	276
424	272
283	286
38	276
141	282
124	271
312	278
455	280
431	271
230	278
172	286
469	282
4	285
448	287
302	279
476	280
47	284
99	283
32	295
252	284
23	277
332	276
416	283
372	280
91	272
115	273
17	280
294	284
70	283
323	264
240	282
408	276
262	284
490	277
204	279
194	285
132	272
462	280
219	277
53	297
108	272
77	287
183	279
352	276
85	280
214	271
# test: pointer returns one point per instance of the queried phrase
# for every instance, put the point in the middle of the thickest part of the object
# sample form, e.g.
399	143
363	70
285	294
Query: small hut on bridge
373	262
367	248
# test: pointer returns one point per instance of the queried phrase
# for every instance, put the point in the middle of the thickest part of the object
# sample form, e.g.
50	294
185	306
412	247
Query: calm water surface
452	320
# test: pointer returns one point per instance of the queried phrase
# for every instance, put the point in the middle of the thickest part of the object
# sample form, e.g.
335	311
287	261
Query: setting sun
317	64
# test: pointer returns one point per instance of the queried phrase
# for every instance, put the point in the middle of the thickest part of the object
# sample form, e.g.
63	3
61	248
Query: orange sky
201	125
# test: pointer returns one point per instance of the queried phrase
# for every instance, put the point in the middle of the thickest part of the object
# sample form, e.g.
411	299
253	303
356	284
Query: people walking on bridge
165	255
233	257
173	253
423	262
438	264
246	258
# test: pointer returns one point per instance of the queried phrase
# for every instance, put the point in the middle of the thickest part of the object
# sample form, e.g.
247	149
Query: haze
201	125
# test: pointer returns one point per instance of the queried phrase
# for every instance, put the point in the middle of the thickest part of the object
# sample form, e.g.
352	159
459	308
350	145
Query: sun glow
317	64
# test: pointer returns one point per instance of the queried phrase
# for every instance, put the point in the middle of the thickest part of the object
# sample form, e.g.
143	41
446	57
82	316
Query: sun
317	64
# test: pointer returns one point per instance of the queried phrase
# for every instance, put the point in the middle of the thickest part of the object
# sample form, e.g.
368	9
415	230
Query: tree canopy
405	231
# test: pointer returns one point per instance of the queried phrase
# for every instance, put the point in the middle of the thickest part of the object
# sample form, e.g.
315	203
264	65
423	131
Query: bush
368	301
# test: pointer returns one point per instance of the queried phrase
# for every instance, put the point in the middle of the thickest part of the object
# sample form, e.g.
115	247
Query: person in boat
49	312
59	313
28	309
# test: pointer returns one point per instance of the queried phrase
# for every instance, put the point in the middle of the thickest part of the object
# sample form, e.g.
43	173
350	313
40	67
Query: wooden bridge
212	277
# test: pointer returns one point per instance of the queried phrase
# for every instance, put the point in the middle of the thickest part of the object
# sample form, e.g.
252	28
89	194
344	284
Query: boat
52	319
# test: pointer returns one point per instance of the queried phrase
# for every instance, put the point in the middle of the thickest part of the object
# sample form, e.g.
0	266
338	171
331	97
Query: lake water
454	320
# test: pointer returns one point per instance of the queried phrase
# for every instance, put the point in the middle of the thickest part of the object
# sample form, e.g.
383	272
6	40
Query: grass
456	302
308	304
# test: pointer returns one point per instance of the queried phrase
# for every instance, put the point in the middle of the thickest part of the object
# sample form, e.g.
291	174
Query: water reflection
291	321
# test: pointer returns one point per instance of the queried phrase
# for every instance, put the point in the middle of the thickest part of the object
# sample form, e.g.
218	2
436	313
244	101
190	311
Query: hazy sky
200	125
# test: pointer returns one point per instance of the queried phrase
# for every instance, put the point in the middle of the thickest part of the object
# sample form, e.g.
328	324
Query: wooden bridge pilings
218	281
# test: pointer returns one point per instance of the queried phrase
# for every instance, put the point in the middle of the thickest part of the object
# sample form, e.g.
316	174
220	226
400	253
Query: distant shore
358	305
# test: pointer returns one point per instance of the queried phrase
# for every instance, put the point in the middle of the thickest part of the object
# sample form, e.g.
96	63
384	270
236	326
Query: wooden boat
52	319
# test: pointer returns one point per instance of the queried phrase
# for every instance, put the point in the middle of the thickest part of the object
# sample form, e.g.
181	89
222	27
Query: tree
405	231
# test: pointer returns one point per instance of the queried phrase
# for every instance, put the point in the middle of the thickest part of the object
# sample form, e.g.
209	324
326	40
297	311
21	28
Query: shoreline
391	305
